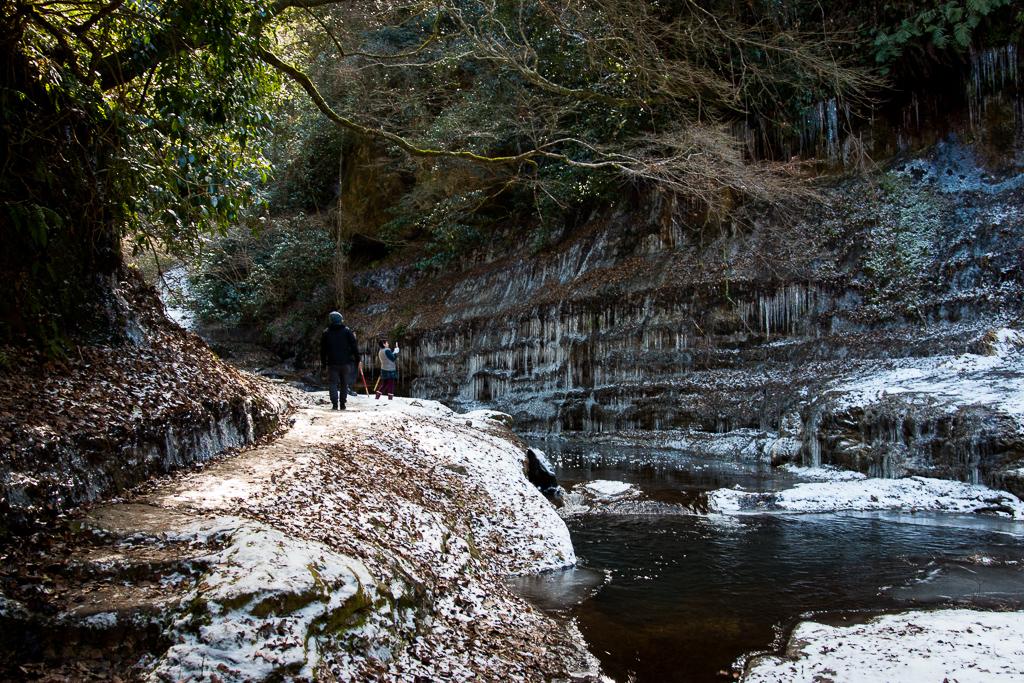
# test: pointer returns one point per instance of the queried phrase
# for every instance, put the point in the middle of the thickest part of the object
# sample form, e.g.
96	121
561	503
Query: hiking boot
334	406
391	397
378	395
341	407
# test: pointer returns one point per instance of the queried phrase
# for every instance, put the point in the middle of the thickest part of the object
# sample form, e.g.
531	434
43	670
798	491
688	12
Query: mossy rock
349	615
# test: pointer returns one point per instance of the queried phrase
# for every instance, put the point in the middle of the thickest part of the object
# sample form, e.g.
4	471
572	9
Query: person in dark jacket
338	353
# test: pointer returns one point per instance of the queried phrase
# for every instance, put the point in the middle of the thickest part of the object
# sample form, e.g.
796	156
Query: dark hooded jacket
338	346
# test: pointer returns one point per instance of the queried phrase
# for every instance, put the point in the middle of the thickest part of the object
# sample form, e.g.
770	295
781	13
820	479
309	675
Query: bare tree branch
314	94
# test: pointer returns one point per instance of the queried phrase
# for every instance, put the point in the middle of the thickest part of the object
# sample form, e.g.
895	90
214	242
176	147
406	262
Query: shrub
277	279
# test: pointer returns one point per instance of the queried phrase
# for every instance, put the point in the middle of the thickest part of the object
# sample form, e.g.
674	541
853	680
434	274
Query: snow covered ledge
369	544
852	491
433	509
418	456
942	645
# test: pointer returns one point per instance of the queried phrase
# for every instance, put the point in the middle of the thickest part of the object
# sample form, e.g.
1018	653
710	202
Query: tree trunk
340	243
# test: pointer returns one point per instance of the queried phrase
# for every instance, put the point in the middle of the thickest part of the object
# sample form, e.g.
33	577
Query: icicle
993	71
811	438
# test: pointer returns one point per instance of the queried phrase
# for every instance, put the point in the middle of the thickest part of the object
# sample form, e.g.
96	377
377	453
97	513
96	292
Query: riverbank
372	543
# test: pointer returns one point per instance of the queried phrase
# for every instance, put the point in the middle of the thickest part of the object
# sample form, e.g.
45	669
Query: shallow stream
682	597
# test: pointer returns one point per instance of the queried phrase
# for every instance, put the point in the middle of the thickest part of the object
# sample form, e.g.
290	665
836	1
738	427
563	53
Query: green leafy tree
939	25
123	119
151	121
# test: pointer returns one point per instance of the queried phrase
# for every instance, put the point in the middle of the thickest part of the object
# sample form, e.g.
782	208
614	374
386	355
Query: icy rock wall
995	79
593	367
895	439
642	325
645	321
956	417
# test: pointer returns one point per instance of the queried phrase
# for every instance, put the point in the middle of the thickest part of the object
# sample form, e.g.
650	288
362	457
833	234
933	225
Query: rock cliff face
111	415
643	321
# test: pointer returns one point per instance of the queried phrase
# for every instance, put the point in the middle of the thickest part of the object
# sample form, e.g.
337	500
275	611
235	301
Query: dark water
682	597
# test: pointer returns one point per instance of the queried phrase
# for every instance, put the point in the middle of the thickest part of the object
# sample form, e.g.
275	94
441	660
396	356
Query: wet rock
540	471
541	474
600	495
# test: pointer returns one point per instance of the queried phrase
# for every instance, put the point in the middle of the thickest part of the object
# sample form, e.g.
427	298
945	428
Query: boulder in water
541	474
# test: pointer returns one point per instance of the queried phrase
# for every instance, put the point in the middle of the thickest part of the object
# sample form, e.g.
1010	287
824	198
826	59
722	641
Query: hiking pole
365	385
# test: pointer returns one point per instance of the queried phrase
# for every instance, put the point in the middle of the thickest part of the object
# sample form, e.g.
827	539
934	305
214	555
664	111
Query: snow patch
911	493
256	613
995	380
956	645
599	495
101	621
1007	342
607	489
495	415
824	473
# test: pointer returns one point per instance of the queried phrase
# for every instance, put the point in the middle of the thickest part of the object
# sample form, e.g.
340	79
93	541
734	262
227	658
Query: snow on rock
370	544
266	601
750	445
784	448
542	460
992	378
602	495
607	489
747	444
412	511
824	473
956	645
910	493
1004	342
496	415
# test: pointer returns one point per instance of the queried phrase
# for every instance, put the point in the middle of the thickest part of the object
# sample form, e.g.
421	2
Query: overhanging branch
307	84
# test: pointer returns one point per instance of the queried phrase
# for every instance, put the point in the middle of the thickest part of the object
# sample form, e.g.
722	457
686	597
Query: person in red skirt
388	369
